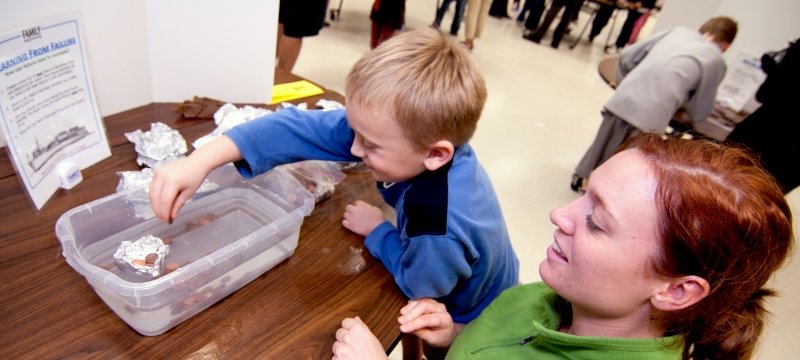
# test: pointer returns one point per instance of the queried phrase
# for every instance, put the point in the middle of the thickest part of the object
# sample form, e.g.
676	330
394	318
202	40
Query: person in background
772	130
531	14
674	73
638	11
625	277
635	10
477	12
413	103
571	9
387	18
457	17
499	9
601	17
297	20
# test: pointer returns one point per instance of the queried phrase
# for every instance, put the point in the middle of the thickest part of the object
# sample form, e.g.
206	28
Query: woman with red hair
666	256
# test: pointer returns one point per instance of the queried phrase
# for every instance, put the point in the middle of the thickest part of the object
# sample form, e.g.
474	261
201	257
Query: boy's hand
430	321
354	340
361	218
173	184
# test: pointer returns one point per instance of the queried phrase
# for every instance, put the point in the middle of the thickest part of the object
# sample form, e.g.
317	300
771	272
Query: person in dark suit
636	10
531	14
571	8
771	131
499	9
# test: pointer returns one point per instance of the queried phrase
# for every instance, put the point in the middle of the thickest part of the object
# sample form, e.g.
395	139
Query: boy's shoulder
426	203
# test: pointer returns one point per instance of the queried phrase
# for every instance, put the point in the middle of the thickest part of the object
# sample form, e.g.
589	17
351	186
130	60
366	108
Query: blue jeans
460	4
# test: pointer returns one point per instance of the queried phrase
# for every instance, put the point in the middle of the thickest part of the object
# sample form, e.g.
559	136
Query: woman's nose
561	218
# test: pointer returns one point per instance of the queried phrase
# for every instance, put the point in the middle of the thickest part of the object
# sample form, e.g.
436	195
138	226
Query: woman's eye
591	224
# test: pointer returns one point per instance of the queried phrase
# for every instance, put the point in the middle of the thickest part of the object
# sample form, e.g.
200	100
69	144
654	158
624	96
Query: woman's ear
680	293
439	154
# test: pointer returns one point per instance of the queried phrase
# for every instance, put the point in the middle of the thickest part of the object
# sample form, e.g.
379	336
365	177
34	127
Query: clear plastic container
222	239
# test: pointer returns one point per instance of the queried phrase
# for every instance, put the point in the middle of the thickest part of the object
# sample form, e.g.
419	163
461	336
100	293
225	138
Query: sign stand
48	113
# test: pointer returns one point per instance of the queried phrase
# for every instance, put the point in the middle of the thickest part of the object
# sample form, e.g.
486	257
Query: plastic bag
318	177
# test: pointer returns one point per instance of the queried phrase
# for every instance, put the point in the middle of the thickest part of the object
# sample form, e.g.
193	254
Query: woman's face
604	240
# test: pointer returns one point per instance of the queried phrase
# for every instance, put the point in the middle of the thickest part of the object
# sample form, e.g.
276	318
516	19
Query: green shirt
522	323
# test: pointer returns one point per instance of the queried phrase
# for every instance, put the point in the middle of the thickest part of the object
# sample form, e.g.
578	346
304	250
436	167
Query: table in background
48	310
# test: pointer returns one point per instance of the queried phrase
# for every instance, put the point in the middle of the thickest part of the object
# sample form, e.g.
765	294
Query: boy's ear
680	293
439	154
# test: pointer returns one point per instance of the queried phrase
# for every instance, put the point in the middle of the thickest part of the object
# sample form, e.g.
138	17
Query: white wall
220	49
116	44
143	51
763	25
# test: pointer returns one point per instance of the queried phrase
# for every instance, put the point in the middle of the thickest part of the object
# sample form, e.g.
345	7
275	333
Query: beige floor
542	113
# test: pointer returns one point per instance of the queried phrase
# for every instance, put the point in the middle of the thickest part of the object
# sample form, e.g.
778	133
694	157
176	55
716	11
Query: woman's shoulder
534	301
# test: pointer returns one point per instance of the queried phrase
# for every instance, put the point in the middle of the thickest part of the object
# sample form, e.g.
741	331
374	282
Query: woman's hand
354	340
429	320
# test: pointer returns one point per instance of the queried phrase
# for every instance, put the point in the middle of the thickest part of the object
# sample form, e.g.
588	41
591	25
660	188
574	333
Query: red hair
725	219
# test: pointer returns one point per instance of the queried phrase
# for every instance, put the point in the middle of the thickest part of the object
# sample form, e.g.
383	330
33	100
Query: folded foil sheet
329	104
229	116
160	144
130	180
143	256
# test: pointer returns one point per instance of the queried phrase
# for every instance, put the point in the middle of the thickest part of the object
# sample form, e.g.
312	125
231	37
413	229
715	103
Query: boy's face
383	146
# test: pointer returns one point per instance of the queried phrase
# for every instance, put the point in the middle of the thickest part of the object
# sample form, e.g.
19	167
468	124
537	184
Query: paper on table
741	82
294	90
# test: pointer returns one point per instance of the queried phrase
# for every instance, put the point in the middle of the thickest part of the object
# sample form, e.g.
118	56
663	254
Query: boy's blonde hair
426	82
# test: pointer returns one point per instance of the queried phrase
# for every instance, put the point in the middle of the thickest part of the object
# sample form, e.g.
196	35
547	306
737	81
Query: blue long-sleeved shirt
450	242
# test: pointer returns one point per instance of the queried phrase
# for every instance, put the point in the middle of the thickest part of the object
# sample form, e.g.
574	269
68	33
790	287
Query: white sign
48	112
741	82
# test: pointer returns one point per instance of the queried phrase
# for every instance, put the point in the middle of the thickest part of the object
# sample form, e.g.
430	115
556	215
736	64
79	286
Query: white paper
741	82
48	111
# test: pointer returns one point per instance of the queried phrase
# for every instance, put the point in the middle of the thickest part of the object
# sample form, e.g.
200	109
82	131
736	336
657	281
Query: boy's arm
292	135
423	266
175	182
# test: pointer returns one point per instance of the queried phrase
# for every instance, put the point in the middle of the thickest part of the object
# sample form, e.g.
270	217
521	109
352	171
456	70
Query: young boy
412	105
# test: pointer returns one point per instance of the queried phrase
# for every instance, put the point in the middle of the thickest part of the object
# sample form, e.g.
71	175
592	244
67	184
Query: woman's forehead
626	182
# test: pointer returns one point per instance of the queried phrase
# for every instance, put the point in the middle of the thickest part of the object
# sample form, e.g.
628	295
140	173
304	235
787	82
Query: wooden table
49	311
